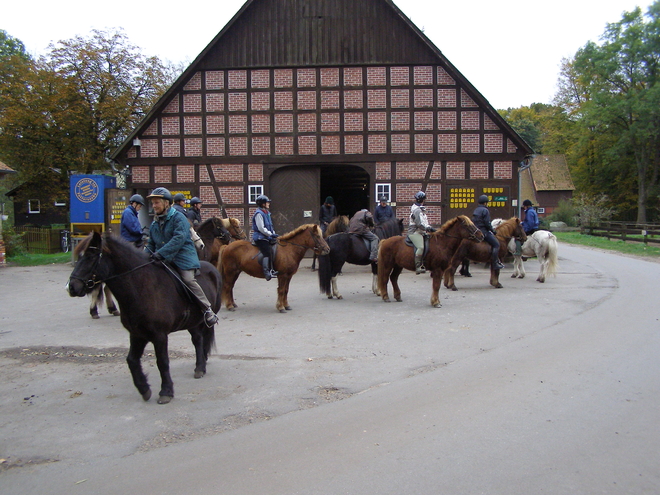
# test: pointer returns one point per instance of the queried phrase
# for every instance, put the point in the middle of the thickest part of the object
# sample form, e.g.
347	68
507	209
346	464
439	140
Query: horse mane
298	230
390	227
449	224
82	245
121	248
506	227
339	224
230	222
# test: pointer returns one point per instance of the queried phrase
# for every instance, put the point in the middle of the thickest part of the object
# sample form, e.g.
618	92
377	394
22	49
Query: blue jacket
481	218
171	239
531	221
130	230
383	213
257	235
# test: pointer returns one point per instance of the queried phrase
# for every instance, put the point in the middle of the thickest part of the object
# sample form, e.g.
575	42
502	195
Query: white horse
542	244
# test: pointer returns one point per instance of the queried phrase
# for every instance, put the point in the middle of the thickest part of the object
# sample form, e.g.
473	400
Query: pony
339	224
232	226
242	256
507	230
351	248
542	244
96	295
394	255
153	304
209	231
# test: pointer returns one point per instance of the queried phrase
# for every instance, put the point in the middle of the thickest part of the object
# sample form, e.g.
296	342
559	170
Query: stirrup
499	265
210	318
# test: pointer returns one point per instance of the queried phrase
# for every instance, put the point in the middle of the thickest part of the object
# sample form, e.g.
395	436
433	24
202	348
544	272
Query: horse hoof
499	286
437	305
514	275
147	395
116	313
330	297
288	308
231	308
199	374
164	399
521	276
340	297
454	288
96	317
282	310
398	299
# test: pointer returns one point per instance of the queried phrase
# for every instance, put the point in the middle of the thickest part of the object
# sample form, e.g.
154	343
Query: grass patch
38	259
633	248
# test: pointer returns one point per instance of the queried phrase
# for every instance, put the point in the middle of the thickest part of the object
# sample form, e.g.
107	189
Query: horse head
320	246
510	228
219	230
234	228
85	276
472	230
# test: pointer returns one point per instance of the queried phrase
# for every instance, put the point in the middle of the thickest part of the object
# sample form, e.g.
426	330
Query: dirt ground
67	396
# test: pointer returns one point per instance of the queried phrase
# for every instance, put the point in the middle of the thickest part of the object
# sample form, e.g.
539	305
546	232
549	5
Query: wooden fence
626	231
38	240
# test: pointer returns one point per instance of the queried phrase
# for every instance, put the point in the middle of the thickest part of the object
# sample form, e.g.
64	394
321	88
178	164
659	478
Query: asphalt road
533	388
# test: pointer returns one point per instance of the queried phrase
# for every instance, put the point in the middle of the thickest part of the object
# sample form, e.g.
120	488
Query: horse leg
110	302
465	268
282	294
495	277
456	260
166	393
96	297
436	275
394	279
544	266
228	290
374	279
314	263
518	268
335	290
135	352
201	355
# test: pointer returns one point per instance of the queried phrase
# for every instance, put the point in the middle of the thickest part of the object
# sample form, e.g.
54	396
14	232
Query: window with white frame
253	193
383	190
34	206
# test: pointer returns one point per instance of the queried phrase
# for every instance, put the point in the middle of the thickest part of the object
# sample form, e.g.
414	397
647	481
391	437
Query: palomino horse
242	256
153	304
351	248
475	251
96	295
339	224
542	244
394	255
232	228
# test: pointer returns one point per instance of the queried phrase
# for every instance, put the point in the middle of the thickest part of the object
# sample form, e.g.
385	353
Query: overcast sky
510	50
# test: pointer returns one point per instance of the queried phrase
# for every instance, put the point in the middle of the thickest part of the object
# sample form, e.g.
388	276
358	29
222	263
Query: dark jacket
481	218
170	237
361	222
383	213
194	216
327	213
130	229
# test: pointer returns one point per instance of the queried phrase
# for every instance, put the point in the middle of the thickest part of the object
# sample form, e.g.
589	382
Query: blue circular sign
86	190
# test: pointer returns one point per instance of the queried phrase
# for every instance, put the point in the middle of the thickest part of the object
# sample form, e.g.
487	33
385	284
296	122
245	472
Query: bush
14	244
592	210
565	212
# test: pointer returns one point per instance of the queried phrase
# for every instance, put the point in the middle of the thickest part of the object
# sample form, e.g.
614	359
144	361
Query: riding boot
518	251
273	272
265	264
496	263
419	265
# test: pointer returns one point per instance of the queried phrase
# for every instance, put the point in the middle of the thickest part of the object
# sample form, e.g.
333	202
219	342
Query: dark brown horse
211	230
351	248
242	256
153	304
231	226
475	251
339	224
394	255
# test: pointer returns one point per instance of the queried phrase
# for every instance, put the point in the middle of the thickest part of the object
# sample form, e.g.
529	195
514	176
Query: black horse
351	248
152	303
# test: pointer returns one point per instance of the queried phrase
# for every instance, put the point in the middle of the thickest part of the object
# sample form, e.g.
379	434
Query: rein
316	249
92	282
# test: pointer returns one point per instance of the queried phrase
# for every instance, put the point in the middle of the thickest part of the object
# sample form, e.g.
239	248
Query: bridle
317	250
473	233
92	281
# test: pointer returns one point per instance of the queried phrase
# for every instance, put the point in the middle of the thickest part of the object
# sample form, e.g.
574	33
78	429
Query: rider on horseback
361	224
169	240
530	224
418	225
263	234
130	227
481	218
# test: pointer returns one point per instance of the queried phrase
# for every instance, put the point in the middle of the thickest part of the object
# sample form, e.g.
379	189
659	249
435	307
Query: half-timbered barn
303	99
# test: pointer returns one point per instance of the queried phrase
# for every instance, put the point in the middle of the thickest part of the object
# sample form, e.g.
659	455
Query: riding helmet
483	199
179	197
383	198
195	201
136	198
527	202
262	200
161	192
420	196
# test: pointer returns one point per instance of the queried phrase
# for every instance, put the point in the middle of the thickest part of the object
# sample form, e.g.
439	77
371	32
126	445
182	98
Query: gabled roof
314	33
551	173
4	169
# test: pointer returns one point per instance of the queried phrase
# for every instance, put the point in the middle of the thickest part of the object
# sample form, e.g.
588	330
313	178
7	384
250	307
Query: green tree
612	91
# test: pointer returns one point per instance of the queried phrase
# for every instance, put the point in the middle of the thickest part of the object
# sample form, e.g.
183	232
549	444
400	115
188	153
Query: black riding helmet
179	197
262	200
161	192
195	201
527	202
136	198
483	199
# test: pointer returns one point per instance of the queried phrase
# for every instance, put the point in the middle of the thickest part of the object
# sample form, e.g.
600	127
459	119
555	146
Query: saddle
426	244
259	256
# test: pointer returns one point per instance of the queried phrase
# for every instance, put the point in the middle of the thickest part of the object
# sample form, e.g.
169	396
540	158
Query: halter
91	282
472	236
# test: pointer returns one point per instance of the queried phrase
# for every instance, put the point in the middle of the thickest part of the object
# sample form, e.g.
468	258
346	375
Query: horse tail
551	255
384	265
325	275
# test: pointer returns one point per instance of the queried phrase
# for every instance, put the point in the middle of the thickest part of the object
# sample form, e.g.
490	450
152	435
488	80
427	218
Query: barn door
294	192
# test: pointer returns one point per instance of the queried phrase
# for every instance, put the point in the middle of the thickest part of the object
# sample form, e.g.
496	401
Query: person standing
361	224
179	202
194	214
418	226
263	235
383	211
130	227
327	214
530	224
481	218
169	240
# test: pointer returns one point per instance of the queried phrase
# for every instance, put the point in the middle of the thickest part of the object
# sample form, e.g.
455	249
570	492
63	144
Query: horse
153	304
394	255
507	230
339	224
351	248
97	293
209	231
542	244
242	256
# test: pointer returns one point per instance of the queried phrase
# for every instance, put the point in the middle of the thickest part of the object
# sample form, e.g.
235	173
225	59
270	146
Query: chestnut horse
505	231
153	303
339	224
394	255
242	256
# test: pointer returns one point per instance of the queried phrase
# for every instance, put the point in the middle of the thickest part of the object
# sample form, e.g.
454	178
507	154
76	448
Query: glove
430	229
274	236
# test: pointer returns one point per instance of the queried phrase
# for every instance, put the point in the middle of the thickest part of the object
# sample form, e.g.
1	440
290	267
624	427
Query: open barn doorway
350	186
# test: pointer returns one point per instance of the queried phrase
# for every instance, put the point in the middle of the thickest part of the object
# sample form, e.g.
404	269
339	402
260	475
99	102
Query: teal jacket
171	239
